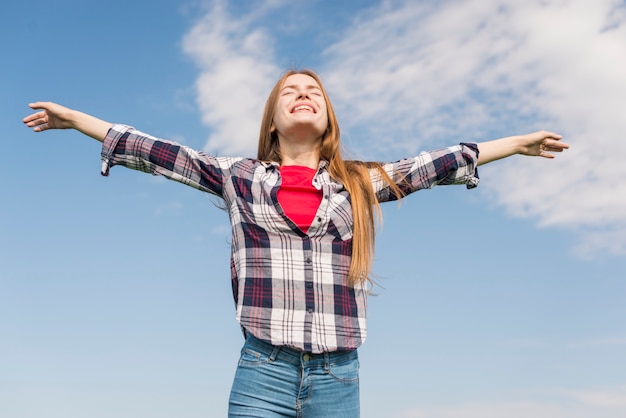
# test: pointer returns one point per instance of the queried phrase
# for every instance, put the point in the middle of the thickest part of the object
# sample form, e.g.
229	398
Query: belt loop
326	362
275	352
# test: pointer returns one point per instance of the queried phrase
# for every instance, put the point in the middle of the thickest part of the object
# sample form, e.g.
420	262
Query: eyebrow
309	87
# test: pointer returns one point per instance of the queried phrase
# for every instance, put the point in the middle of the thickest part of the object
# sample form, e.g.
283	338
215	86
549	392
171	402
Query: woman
303	233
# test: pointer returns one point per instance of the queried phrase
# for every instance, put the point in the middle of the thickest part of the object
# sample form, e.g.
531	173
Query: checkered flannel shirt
290	288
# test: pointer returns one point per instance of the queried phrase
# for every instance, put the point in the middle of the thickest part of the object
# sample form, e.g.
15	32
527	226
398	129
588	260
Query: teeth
303	108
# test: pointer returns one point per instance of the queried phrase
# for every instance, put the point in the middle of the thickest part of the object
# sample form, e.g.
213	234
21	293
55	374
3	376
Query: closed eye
312	90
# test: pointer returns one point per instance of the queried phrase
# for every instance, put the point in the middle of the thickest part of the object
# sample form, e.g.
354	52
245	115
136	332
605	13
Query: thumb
37	105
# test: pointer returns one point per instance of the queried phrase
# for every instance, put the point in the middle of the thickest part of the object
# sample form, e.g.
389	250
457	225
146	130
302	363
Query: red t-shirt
297	195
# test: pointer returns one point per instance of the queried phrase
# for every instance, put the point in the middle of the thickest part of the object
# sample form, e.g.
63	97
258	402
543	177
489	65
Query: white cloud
467	69
236	75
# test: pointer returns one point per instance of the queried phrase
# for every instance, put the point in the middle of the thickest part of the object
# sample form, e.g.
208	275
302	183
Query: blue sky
507	300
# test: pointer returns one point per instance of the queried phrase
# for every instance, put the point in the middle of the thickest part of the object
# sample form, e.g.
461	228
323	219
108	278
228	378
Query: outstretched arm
540	144
55	116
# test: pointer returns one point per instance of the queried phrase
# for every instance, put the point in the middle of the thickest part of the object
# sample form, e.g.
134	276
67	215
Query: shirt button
309	310
319	219
309	284
308	260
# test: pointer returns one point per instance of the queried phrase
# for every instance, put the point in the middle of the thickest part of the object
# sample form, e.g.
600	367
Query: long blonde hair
354	175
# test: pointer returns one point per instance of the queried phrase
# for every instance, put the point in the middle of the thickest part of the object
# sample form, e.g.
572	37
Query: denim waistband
298	358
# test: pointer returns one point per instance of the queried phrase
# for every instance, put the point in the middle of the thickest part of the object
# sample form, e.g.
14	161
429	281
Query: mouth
304	107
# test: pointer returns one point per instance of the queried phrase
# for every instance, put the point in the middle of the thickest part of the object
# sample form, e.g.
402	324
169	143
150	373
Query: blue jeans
276	381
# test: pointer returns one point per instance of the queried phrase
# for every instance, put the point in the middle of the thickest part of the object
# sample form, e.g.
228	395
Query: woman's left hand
541	144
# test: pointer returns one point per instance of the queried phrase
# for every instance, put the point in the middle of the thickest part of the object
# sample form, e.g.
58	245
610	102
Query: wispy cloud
602	342
495	410
170	207
237	70
406	76
611	399
554	403
476	68
546	343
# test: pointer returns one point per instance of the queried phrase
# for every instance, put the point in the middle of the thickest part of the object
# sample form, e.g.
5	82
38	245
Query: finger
556	145
553	135
547	151
33	117
42	127
39	105
35	121
42	121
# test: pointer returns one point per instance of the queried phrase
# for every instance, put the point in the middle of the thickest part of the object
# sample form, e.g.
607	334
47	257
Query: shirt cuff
470	153
116	132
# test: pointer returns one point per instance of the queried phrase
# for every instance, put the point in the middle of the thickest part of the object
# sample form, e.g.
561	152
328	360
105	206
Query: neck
304	153
307	159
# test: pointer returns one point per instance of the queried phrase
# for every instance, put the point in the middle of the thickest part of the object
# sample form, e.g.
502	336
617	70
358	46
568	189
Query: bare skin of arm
540	144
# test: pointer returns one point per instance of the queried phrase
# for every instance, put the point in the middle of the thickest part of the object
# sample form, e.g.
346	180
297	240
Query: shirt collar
323	164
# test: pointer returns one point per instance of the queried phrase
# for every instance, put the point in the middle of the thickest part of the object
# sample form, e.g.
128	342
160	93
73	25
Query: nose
302	94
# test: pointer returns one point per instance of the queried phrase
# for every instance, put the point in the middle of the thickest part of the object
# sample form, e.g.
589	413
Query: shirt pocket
341	222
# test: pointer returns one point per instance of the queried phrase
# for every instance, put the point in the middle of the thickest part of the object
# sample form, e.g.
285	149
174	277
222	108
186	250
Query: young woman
303	234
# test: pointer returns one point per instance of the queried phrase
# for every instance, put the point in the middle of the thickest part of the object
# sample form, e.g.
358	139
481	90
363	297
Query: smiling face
301	113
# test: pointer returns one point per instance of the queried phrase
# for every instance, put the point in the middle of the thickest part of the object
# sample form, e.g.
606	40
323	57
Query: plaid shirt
290	288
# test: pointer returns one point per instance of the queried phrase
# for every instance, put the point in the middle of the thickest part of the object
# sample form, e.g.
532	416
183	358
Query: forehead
300	80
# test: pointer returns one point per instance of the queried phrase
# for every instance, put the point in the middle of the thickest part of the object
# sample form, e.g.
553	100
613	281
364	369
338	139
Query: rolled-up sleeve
452	165
136	150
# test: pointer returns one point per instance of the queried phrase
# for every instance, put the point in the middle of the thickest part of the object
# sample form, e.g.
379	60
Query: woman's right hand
54	116
50	116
